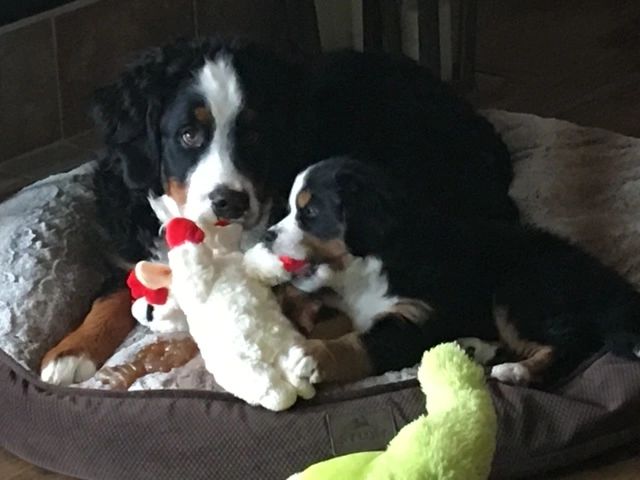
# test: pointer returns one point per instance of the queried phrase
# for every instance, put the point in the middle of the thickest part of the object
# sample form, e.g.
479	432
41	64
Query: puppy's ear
128	113
368	204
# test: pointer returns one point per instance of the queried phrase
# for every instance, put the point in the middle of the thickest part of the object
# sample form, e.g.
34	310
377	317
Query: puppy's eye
191	137
309	212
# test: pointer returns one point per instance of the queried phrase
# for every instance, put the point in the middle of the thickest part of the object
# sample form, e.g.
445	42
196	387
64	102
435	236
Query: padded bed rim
98	434
168	434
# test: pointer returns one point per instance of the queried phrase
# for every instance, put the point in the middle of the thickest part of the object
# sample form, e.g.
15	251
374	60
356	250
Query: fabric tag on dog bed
360	431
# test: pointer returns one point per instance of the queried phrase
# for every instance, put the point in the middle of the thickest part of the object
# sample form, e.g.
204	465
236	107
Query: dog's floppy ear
128	112
368	204
153	275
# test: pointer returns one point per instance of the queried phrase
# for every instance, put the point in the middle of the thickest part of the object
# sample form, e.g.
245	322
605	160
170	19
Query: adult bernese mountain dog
412	278
223	127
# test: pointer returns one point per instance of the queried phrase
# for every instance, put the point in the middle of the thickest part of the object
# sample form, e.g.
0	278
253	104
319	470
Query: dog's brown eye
191	137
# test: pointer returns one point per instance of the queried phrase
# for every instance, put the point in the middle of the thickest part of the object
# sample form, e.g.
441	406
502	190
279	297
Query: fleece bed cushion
582	183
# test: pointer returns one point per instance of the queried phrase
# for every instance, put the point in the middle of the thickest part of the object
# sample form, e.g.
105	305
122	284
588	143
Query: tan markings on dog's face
303	198
203	115
333	251
177	191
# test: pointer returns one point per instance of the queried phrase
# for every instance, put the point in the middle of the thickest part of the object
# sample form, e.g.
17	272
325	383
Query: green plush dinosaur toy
454	441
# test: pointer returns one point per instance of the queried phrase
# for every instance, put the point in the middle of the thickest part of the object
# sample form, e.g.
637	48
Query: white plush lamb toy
251	348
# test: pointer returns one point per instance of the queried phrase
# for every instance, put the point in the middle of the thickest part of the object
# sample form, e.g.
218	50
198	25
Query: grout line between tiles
196	27
58	82
51	13
59	142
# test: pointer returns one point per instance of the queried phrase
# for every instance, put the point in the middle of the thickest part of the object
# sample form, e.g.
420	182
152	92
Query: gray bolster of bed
581	183
50	263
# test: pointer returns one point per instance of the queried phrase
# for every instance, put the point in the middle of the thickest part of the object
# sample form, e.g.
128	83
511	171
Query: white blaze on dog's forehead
298	185
289	239
218	83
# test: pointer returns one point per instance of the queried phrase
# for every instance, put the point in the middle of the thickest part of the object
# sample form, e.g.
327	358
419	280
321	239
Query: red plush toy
138	290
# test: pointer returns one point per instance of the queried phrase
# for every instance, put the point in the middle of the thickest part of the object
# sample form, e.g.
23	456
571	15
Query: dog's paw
67	369
479	350
514	373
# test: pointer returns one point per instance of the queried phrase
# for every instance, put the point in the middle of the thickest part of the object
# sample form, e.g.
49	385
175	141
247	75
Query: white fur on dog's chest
363	289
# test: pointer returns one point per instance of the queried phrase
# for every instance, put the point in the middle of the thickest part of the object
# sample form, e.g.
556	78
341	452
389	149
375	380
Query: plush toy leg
257	385
298	368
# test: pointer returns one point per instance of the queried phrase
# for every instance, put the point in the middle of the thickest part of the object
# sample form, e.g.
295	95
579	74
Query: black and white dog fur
224	127
411	278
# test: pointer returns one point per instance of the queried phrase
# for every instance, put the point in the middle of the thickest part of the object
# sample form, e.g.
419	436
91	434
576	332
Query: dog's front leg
342	359
78	355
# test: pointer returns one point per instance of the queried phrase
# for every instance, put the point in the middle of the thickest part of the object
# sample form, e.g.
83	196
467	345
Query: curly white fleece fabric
583	183
250	347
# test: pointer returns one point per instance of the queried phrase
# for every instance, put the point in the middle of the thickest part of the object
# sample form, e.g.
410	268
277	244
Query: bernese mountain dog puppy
223	127
411	278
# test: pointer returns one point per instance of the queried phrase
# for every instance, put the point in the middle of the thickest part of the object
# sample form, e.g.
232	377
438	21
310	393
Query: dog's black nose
227	203
269	237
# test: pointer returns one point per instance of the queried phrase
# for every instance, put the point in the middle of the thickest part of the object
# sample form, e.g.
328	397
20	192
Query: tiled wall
50	63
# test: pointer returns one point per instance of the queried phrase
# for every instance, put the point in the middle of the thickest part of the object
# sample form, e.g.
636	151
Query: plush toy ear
153	275
164	207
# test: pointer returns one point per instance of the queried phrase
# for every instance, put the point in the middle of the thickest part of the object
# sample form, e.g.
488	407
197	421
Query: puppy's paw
479	350
514	373
67	369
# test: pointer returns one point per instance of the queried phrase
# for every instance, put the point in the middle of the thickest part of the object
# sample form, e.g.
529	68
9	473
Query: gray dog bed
582	183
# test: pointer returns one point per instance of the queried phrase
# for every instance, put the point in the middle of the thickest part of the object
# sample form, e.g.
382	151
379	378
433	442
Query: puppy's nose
269	237
227	203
